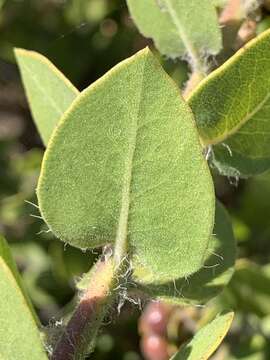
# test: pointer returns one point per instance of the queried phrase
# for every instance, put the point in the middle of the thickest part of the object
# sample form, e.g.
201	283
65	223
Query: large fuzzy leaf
19	335
125	167
211	279
207	340
186	27
48	91
232	109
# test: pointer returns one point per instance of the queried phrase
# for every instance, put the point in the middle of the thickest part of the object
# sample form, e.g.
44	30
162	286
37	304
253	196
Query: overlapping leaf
19	335
207	340
232	110
209	280
187	27
49	92
124	166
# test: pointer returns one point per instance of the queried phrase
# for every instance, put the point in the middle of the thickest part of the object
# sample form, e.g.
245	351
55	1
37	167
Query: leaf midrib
184	37
239	125
122	230
50	100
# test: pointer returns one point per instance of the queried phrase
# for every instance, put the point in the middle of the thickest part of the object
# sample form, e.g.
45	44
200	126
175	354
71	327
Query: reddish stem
87	318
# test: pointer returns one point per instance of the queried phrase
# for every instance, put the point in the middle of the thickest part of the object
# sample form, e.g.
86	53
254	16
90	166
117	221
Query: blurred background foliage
85	38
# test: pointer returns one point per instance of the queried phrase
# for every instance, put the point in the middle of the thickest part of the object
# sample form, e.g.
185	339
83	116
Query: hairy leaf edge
76	103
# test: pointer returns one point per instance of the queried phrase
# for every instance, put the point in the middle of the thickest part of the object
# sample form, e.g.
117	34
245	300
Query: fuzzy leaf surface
178	28
232	110
48	91
206	340
19	335
7	258
125	167
210	280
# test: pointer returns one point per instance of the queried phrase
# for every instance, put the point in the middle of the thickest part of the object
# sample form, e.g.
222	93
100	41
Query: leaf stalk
85	322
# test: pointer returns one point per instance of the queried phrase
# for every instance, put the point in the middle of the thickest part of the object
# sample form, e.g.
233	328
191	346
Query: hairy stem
84	324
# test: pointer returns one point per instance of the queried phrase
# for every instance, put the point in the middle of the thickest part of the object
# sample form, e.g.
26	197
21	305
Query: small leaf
207	340
19	335
186	27
121	168
232	109
7	258
209	280
48	91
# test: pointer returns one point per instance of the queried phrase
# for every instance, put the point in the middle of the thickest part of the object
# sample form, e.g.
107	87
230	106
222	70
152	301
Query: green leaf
211	279
207	340
7	258
125	167
230	162
220	3
48	91
179	28
2	2
19	335
232	109
249	289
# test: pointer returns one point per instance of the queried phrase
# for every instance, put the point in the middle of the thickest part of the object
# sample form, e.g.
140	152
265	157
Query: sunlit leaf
232	110
207	339
125	167
19	335
209	280
48	91
6	257
187	27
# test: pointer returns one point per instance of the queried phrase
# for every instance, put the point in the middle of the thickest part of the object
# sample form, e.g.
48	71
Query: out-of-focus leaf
6	257
232	109
249	289
210	279
207	340
19	335
263	25
241	230
49	92
253	210
220	3
187	27
35	262
122	168
255	347
2	2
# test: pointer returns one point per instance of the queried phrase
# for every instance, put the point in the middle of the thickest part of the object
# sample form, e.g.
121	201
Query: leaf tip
19	52
145	52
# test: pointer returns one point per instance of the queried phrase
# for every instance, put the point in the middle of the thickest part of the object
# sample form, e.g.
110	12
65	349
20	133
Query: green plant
126	169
